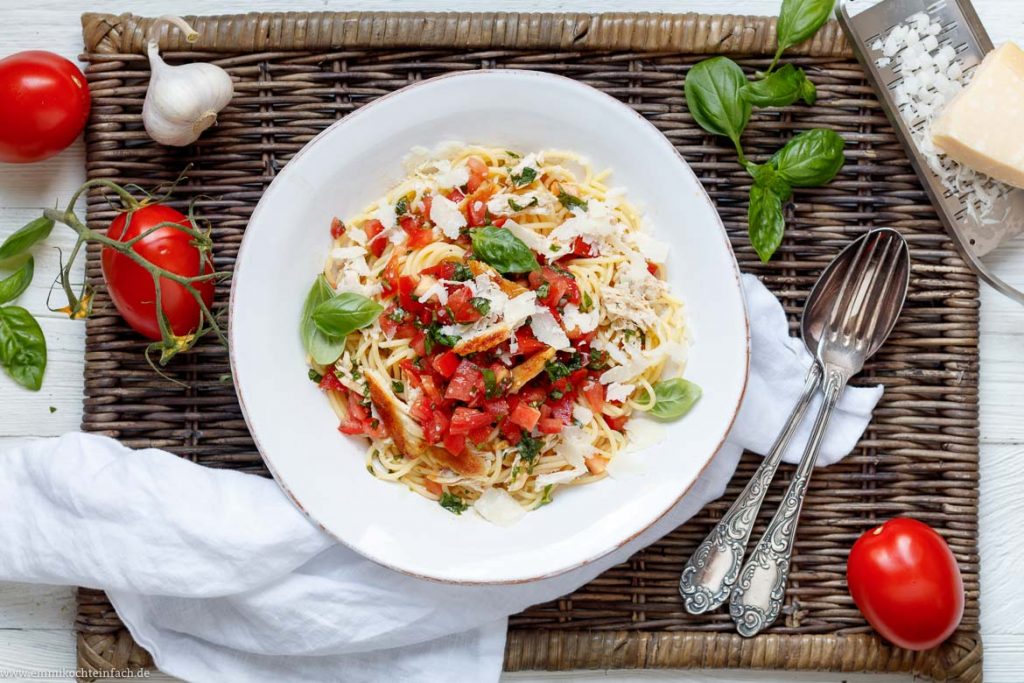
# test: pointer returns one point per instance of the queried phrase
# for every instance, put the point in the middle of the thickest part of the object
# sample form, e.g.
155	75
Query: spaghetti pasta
525	321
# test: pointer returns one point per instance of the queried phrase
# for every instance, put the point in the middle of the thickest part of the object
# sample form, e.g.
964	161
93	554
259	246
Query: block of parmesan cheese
983	126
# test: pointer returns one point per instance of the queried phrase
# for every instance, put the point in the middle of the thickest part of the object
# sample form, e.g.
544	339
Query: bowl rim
362	111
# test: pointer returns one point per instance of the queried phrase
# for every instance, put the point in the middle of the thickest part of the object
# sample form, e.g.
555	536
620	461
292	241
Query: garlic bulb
182	101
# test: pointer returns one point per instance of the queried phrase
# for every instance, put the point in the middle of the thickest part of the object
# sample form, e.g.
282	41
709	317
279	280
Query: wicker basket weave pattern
296	73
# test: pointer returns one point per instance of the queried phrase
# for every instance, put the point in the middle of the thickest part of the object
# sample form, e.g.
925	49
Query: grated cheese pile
930	76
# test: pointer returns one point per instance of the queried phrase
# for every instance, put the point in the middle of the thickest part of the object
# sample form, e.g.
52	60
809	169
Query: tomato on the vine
45	105
131	286
906	582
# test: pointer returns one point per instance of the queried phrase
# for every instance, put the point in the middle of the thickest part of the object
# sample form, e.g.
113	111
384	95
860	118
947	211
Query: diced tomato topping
420	410
372	228
562	409
593	392
433	487
525	416
466	384
428	204
497	406
465	420
419	343
533	394
392	271
435	426
431	389
476	212
445	270
406	286
330	381
348	426
558	285
499	221
652	268
477	173
356	409
456	195
528	343
549	425
375	429
337	228
446	363
581	248
511	431
462	309
454	443
481	434
616	423
419	236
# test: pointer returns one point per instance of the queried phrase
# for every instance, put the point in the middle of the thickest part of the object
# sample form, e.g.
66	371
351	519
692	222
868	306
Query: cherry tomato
131	285
45	105
904	579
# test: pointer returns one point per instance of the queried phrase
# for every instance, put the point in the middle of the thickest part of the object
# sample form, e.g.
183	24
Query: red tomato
454	443
549	425
511	431
616	423
466	383
418	235
372	228
446	363
462	309
330	382
652	268
593	392
428	203
406	288
131	285
904	579
337	228
477	173
581	248
528	343
500	221
476	212
465	420
525	416
392	271
456	195
45	105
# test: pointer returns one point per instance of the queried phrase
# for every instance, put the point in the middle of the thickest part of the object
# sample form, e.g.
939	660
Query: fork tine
839	304
889	281
865	305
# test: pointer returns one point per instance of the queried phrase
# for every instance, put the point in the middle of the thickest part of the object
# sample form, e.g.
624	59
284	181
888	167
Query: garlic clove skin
183	101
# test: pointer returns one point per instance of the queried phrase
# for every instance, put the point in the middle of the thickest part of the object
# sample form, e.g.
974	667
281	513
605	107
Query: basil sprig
23	239
324	349
17	282
674	398
345	313
502	250
780	88
720	98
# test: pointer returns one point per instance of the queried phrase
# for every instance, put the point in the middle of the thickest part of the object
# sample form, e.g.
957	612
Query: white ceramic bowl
358	159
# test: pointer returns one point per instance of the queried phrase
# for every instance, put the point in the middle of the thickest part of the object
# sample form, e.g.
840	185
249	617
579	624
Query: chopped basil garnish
397	386
462	273
525	178
516	206
586	303
571	201
529	449
546	496
543	290
490	383
402	206
453	503
482	305
315	376
598	360
397	315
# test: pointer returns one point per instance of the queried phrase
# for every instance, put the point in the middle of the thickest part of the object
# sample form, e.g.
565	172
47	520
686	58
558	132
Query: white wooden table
36	622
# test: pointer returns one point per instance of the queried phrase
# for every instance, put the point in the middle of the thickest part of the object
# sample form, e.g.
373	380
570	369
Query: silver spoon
859	298
713	568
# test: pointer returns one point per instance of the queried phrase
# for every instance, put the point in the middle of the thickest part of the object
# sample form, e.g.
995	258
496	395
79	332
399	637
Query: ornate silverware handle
711	572
757	598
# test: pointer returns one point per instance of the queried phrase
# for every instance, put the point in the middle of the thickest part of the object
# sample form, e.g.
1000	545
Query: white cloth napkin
220	577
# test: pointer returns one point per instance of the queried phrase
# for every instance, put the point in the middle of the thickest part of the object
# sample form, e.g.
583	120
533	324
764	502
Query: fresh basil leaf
571	201
811	158
780	88
808	93
323	348
765	222
799	20
766	175
20	241
673	398
452	503
503	250
482	305
528	175
516	206
17	282
22	347
713	95
345	313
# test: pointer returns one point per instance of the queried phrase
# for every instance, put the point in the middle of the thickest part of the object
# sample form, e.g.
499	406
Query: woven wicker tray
299	72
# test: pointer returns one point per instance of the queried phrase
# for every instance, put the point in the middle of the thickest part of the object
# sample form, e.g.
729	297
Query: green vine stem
79	304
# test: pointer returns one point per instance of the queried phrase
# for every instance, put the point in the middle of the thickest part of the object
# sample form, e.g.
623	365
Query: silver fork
851	330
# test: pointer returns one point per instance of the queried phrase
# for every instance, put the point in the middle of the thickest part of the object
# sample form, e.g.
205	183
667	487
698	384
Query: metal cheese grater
962	30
